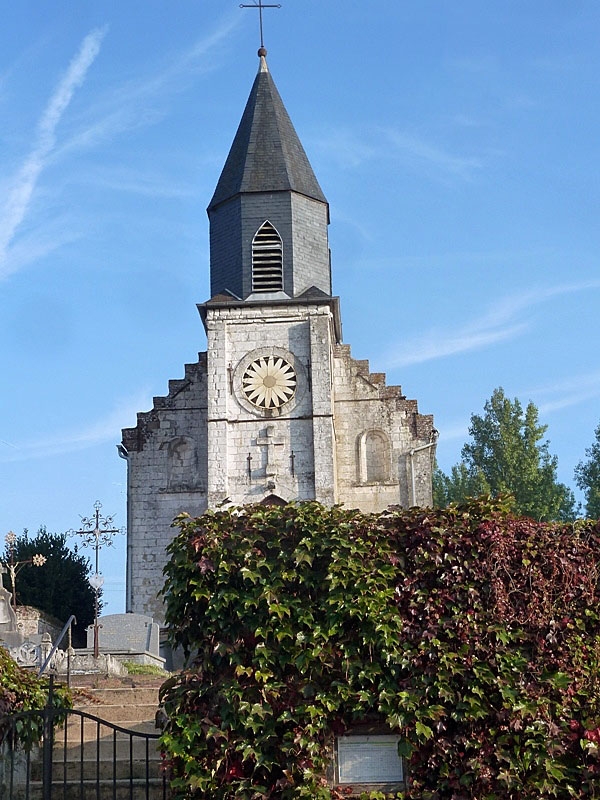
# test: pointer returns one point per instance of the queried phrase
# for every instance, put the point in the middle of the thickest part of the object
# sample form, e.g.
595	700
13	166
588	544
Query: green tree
587	475
507	455
460	484
60	587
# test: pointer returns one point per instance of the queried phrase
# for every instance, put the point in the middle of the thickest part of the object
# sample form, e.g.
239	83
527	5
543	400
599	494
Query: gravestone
128	637
27	650
33	622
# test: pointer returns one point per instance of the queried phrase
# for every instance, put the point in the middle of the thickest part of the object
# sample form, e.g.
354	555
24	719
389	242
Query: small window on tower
267	260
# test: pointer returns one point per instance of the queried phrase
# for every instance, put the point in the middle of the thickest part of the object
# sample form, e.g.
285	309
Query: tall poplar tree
507	454
587	475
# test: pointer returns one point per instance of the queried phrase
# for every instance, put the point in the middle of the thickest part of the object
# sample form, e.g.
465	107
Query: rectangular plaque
369	759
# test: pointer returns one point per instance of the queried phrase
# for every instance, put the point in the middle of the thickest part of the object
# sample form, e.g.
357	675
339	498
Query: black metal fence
58	754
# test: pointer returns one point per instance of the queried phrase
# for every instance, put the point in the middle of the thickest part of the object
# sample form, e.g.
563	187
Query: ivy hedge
22	690
472	634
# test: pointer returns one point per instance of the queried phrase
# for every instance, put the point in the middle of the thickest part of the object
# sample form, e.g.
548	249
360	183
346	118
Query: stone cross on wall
270	442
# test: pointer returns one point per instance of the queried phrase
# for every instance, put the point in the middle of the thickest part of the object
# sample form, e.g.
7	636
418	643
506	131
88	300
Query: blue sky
457	144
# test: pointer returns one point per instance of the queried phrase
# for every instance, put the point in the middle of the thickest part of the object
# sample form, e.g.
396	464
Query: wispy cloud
457	430
138	102
149	183
475	64
40	241
364	233
350	150
19	197
565	393
106	429
345	147
418	150
504	320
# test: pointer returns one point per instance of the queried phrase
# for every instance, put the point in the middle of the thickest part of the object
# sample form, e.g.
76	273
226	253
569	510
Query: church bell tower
268	215
276	410
271	322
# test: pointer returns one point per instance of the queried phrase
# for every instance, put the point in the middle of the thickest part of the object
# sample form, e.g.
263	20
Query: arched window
376	457
267	260
373	457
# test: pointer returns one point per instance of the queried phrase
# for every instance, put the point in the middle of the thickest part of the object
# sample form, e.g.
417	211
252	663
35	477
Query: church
277	409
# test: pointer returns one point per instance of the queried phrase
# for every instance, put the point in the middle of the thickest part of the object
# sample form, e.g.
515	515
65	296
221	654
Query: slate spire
266	154
268	179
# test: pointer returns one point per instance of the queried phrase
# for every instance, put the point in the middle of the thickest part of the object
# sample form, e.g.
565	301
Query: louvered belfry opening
267	260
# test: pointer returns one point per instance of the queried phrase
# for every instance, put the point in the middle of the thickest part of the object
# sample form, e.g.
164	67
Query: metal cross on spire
260	5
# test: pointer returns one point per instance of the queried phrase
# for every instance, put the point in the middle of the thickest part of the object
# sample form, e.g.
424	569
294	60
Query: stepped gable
148	422
375	383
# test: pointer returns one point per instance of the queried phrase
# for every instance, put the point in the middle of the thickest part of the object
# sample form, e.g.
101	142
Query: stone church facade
276	409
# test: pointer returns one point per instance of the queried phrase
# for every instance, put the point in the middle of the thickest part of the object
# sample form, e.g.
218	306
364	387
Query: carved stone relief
182	465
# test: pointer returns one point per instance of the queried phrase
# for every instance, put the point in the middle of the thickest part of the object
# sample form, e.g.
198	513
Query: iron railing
72	619
91	759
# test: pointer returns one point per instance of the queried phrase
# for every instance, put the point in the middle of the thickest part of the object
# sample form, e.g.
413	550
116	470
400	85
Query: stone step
100	682
111	766
82	729
89	769
106	749
132	695
142	712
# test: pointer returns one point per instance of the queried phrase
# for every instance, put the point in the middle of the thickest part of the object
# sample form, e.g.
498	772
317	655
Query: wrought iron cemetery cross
14	567
96	531
260	5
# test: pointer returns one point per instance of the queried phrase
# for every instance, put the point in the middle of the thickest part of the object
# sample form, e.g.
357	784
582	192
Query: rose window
269	382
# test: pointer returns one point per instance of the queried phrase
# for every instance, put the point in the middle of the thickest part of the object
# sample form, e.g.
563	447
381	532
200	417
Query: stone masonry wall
261	452
167	474
376	430
344	437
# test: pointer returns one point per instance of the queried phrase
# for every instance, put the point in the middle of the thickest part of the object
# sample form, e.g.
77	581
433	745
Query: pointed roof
266	154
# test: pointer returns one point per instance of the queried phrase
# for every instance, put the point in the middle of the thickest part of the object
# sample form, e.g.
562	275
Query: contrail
25	181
